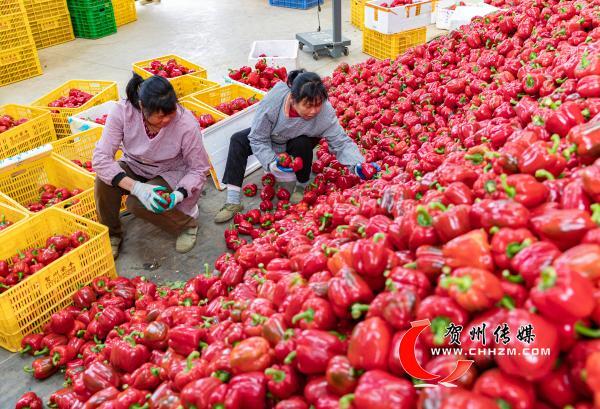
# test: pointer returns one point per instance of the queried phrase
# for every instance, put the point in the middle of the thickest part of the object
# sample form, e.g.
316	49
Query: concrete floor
216	34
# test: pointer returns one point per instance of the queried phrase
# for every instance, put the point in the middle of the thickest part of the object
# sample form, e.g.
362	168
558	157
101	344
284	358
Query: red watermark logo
408	360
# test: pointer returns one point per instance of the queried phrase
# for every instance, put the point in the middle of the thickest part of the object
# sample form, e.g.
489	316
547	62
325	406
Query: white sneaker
186	240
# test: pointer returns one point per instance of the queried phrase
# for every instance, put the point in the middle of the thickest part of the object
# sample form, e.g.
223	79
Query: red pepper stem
188	362
507	302
377	237
587	332
423	217
308	316
138	406
155	371
438	205
556	143
55	358
28	369
595	213
357	310
219	406
548	277
463	283
543	173
502	404
42	351
517	279
223	376
346	401
25	350
438	328
276	375
290	358
509	190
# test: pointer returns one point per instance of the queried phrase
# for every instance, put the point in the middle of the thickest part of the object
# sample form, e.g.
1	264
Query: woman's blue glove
359	170
176	198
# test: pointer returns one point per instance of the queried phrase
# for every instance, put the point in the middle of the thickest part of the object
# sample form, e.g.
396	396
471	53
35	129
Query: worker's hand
176	197
366	171
148	195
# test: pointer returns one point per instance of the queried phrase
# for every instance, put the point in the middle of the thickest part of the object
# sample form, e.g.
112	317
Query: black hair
155	93
307	86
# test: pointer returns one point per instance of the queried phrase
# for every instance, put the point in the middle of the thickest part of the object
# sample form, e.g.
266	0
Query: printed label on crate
67	269
11	58
49	24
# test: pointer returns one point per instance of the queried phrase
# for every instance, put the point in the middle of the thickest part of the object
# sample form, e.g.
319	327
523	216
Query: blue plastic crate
296	4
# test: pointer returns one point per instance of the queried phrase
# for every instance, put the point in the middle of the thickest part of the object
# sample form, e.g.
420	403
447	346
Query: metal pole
337	21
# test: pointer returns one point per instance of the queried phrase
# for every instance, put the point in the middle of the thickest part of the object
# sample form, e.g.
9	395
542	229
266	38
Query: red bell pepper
130	398
251	355
524	189
473	289
250	189
584	259
146	377
62	322
370	256
527	366
283	381
563	227
379	389
65	398
98	376
110	317
62	354
316	314
441	311
469	250
185	339
506	243
200	393
500	213
295	402
563	295
397	307
41	368
29	400
247	391
127	355
370	344
587	139
452	222
342	378
103	398
268	179
346	289
508	391
50	341
459	398
314	349
31	344
556	388
84	297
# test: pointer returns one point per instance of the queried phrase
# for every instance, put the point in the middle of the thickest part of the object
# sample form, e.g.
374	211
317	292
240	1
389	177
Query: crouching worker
291	118
162	152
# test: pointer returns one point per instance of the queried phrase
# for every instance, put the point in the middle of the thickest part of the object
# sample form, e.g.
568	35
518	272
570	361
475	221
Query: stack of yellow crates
18	54
125	11
50	22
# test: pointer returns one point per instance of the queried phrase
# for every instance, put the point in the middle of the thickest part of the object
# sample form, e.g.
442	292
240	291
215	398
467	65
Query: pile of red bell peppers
30	261
485	216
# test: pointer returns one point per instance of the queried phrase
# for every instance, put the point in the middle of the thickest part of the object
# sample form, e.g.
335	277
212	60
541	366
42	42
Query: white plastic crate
85	120
442	4
463	14
394	20
279	53
216	142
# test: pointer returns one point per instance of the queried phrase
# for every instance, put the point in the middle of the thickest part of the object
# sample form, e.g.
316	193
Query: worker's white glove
148	195
280	174
176	198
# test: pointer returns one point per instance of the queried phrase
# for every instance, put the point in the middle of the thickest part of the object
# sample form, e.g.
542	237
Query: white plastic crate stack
392	20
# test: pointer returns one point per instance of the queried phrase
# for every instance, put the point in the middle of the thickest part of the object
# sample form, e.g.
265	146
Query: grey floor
216	34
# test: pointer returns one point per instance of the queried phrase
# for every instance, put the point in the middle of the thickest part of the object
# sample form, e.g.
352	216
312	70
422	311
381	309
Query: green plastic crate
93	21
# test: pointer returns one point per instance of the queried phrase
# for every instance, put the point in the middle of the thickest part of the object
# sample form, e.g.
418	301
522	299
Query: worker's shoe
115	245
227	212
144	2
186	240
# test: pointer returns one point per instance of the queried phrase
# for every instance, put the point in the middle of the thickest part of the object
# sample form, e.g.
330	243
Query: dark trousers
108	203
240	150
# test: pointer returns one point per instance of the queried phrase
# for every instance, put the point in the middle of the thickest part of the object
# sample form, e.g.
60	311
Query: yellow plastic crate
14	30
52	30
201	109
41	9
357	13
383	46
19	63
189	85
125	11
103	91
13	214
7	201
37	131
226	93
26	307
21	182
81	146
177	82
